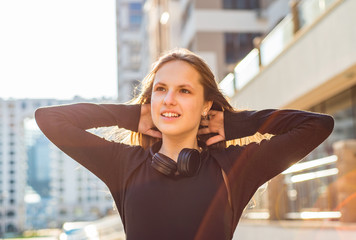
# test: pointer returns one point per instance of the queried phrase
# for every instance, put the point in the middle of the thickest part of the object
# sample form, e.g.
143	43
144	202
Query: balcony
308	57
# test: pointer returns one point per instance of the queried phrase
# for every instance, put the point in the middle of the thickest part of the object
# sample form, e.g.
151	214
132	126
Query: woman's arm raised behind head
66	126
296	134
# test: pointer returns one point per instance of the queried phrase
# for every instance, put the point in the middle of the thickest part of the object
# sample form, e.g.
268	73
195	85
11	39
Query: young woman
178	179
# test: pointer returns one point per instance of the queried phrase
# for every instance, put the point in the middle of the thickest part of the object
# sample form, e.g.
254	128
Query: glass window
10	213
62	212
241	4
342	108
238	45
135	15
23	105
11	228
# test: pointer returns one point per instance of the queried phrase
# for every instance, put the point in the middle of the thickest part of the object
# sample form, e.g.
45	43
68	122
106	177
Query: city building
77	194
61	190
13	163
308	61
221	31
132	46
39	165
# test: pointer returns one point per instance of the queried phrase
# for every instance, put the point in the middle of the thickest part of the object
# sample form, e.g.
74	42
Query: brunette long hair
211	93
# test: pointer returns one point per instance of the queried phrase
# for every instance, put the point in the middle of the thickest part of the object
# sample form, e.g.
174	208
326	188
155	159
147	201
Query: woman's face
177	100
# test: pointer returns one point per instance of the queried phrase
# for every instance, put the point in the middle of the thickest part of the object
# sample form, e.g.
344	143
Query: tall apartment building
39	165
132	46
12	166
221	31
75	193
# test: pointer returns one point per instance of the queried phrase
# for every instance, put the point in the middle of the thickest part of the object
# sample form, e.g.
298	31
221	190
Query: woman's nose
170	98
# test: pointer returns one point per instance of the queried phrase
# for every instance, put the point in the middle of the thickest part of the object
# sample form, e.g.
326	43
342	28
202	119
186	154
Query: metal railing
308	191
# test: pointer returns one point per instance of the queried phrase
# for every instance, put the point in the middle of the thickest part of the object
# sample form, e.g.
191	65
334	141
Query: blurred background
264	53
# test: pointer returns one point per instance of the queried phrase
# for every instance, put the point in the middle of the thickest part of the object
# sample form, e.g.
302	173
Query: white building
76	193
12	166
221	31
132	46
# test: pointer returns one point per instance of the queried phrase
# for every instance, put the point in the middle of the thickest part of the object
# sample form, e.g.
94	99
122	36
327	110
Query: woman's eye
160	89
185	91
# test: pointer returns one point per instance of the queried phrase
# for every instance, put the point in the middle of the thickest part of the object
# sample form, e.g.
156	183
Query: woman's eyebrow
180	86
185	85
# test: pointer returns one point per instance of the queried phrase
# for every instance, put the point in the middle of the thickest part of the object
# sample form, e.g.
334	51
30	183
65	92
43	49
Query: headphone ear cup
188	162
164	164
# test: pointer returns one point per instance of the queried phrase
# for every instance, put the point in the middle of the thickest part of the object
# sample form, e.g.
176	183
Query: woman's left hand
214	124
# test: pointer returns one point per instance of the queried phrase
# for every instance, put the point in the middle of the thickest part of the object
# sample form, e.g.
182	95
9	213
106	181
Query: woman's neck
171	146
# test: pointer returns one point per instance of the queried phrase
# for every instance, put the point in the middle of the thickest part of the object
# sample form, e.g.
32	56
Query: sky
58	49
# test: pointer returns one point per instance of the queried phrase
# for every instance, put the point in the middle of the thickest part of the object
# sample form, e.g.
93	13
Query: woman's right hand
145	125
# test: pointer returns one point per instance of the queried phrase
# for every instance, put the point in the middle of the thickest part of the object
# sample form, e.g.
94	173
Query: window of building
241	4
135	15
23	105
343	108
11	105
10	213
11	228
37	104
62	212
238	45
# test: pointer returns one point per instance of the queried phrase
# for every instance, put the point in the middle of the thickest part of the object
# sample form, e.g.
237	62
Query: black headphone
188	163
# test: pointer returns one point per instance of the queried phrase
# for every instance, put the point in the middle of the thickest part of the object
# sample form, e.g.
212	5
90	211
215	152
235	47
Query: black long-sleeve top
155	206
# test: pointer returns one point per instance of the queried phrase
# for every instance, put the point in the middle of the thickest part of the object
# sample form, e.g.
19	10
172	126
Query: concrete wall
323	53
211	47
225	20
209	4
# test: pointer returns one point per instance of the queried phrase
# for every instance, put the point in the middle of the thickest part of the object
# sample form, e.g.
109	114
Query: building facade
12	166
131	46
222	31
308	62
60	185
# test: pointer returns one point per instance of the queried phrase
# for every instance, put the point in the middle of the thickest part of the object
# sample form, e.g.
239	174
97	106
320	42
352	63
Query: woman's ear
207	106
